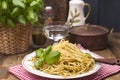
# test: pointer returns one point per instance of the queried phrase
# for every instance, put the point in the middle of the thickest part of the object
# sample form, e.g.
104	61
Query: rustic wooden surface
9	60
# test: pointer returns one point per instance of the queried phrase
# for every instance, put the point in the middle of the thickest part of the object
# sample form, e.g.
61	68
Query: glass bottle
48	15
38	37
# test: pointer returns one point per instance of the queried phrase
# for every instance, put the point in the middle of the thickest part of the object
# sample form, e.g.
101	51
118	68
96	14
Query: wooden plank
2	57
113	77
114	42
106	53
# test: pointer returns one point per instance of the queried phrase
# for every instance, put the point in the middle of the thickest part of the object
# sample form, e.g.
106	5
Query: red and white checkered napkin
104	71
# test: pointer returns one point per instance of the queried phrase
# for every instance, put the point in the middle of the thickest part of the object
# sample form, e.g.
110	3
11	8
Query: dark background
105	13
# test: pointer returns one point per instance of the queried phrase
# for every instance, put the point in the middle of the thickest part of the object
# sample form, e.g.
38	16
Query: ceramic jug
76	15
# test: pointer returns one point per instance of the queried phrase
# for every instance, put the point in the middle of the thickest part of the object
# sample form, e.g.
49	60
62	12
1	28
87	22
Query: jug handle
89	10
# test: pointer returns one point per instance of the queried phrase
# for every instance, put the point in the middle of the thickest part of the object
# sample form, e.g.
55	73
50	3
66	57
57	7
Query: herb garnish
46	56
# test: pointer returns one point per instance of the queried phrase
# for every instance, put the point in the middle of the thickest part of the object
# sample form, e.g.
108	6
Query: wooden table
112	51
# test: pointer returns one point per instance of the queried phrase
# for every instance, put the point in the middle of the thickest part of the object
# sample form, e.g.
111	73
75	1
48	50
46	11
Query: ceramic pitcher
76	15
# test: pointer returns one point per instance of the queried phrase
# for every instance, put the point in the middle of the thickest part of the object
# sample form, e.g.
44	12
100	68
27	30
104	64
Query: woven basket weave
15	40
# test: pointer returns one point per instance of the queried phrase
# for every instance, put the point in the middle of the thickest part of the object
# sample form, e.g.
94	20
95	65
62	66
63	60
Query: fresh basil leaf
32	16
47	51
15	11
33	3
19	3
3	20
38	0
35	17
41	7
41	55
41	2
4	5
22	0
52	57
39	52
38	62
11	23
21	19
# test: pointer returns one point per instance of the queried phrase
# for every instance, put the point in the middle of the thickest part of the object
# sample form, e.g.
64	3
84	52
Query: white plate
27	65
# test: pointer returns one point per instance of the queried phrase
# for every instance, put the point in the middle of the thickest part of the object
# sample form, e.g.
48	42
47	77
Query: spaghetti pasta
72	61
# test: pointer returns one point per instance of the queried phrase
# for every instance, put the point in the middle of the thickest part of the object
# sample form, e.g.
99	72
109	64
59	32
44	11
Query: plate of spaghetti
73	62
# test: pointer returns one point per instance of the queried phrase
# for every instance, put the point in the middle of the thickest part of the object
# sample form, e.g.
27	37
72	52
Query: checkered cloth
104	71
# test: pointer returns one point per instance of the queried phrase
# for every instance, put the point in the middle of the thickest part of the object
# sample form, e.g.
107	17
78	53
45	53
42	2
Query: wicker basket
15	40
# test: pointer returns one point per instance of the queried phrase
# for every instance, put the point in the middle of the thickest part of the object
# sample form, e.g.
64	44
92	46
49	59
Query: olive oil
38	39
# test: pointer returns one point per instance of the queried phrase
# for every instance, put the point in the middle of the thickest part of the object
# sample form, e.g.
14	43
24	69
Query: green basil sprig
46	56
13	12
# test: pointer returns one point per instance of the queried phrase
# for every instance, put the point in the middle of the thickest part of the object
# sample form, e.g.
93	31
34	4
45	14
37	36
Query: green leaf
40	1
22	19
4	5
3	20
35	17
41	55
15	11
33	3
39	52
47	51
41	4
11	23
41	8
22	0
38	62
32	16
19	3
52	57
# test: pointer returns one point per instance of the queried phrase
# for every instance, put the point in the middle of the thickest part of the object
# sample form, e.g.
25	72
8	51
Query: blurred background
104	12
